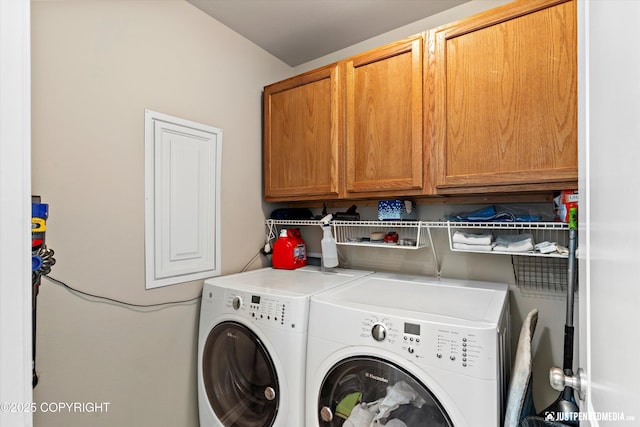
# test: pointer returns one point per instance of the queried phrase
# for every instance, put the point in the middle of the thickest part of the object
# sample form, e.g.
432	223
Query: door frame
15	211
607	132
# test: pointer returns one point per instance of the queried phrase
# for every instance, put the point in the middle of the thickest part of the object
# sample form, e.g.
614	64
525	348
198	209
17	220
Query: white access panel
182	193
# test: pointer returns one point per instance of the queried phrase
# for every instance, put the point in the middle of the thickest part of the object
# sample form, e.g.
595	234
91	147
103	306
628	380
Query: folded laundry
496	213
514	243
489	213
546	247
467	247
525	247
472	238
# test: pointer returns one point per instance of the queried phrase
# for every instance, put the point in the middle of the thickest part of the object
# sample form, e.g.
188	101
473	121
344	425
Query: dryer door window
370	391
239	377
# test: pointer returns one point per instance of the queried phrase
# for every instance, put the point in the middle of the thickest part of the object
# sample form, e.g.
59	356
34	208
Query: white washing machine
411	351
252	345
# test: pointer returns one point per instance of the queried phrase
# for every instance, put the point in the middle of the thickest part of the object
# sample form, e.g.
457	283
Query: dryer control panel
469	351
277	312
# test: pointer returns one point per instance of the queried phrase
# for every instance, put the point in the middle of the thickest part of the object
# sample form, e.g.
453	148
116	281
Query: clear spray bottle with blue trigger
329	249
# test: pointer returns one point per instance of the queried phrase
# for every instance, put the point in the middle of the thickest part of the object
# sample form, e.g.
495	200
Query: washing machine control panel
402	335
470	351
278	312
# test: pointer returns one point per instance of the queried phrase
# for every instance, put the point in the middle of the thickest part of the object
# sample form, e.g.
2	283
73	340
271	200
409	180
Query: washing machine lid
423	298
302	282
368	390
240	378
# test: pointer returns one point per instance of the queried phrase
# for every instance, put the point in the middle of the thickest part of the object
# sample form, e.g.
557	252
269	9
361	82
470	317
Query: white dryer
252	345
408	351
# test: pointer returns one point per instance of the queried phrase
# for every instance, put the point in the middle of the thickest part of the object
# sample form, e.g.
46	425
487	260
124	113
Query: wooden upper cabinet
384	120
303	136
501	108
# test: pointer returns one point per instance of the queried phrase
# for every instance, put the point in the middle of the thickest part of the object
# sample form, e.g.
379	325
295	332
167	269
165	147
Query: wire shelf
535	272
411	234
554	232
294	222
536	275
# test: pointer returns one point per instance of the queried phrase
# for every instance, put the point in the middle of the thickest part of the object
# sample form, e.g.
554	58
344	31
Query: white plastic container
328	243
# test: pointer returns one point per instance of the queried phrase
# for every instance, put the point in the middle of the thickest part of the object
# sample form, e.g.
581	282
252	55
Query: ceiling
298	31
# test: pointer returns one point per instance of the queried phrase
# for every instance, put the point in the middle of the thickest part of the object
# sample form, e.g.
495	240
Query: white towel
362	414
472	238
400	394
467	247
514	243
373	414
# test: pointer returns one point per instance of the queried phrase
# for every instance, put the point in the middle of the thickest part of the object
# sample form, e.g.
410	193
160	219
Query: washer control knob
269	393
325	414
379	332
236	303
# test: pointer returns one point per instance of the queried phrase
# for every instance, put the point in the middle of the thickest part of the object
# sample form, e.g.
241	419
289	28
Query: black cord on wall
130	304
160	304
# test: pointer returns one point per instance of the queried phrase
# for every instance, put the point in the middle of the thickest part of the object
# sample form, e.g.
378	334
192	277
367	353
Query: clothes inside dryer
366	391
239	377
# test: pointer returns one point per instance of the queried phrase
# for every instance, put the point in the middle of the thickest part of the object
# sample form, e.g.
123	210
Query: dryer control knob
236	303
379	332
325	414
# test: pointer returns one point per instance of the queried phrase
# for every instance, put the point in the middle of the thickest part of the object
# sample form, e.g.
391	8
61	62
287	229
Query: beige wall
464	10
96	66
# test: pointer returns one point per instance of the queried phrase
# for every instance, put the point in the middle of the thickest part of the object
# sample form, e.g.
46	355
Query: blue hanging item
36	262
40	210
493	213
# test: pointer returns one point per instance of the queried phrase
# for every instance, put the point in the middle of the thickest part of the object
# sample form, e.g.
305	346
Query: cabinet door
303	134
384	120
503	116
